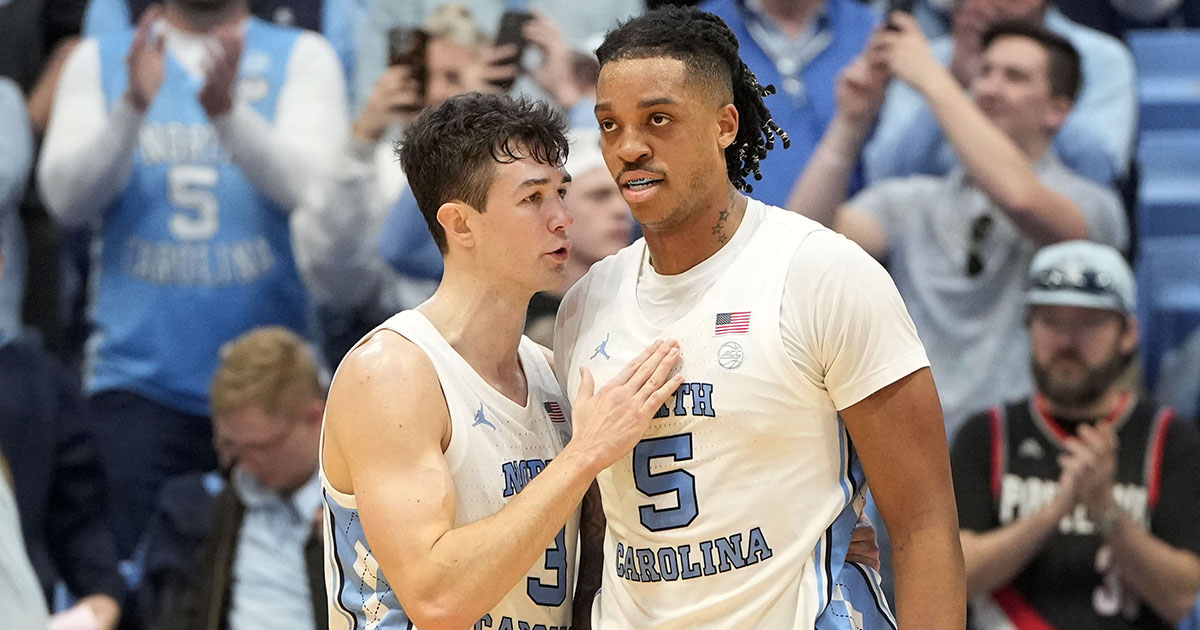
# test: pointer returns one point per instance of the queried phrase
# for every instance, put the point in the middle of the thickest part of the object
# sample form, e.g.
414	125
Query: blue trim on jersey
340	578
817	567
844	461
830	553
877	595
191	253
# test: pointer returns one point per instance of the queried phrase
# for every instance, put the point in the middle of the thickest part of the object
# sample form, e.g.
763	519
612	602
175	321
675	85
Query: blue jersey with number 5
190	254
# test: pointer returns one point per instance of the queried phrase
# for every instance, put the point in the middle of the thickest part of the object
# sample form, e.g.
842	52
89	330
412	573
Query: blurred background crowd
201	211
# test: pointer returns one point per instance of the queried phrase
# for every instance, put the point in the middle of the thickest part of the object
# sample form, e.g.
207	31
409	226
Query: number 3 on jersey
680	482
556	560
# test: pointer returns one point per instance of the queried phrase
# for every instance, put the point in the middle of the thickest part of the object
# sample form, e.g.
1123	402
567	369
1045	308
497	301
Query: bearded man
1078	507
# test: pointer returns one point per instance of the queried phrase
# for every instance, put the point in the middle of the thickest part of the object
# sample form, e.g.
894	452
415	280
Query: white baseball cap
1082	273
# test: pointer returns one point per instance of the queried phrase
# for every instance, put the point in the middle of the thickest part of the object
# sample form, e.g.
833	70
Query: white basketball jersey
496	447
736	508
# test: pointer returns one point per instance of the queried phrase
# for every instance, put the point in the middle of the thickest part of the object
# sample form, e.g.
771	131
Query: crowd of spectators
201	210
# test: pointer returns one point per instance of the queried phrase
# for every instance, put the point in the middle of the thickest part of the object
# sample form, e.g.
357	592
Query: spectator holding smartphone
580	23
341	261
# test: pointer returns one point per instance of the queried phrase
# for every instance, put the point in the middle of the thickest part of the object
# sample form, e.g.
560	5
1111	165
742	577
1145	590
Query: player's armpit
899	435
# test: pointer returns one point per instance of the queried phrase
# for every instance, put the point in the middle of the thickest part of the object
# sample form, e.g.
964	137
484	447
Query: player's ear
452	216
727	125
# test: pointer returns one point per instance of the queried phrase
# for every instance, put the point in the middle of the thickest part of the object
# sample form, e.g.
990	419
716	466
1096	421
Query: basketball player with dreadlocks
802	373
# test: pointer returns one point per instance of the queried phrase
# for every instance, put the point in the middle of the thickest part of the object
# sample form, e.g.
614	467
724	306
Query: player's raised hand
146	62
609	422
216	97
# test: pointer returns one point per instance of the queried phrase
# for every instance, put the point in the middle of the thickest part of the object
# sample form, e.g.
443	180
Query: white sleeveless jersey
736	508
496	447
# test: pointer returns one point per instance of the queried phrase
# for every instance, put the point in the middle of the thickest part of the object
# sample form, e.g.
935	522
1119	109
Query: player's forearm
994	558
470	568
929	578
1164	577
821	189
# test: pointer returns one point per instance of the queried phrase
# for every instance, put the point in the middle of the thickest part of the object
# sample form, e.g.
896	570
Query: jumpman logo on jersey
602	348
482	419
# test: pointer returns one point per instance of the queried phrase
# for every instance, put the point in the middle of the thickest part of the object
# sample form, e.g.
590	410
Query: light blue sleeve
406	244
106	16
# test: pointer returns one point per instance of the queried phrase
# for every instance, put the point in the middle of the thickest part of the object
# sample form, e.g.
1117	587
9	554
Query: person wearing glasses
1078	505
958	245
260	562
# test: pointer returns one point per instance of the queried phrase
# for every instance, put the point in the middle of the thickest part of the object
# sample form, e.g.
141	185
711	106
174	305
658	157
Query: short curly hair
450	152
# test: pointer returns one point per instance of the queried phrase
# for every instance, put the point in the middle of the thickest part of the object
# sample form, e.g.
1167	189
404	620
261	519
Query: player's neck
677	248
203	21
484	325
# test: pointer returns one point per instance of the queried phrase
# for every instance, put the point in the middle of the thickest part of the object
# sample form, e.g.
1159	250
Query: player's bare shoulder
385	387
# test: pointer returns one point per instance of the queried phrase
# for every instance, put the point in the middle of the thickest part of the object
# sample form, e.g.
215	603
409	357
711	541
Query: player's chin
554	278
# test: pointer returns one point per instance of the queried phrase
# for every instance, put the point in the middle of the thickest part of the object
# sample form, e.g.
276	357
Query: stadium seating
1169	190
1168	77
1168	276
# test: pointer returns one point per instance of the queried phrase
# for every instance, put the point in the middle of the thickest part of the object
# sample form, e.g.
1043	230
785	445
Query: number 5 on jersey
190	190
680	482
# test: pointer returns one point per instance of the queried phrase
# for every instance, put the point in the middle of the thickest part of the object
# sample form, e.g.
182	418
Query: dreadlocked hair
709	48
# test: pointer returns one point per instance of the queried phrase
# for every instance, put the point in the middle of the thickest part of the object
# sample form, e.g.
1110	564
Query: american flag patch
555	411
732	323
